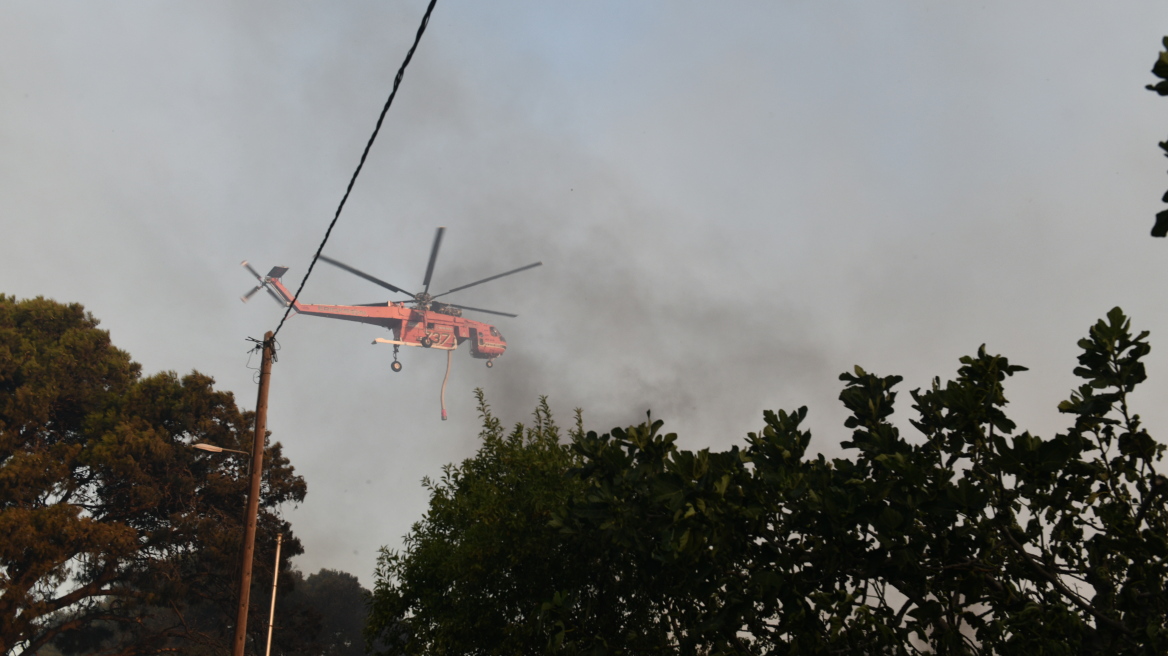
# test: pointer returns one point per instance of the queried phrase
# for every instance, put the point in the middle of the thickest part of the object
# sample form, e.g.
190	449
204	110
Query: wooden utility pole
253	496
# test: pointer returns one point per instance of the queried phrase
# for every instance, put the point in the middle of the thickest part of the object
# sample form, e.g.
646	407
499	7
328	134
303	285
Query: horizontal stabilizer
277	272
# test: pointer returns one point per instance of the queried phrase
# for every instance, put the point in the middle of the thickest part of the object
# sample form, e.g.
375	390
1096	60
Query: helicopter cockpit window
494	331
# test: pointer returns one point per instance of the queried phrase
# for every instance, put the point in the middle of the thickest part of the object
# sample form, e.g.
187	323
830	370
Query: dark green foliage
323	615
968	538
477	567
115	535
1160	70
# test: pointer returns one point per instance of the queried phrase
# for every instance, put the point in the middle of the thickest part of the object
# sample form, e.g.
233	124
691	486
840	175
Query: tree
477	567
115	535
323	615
970	538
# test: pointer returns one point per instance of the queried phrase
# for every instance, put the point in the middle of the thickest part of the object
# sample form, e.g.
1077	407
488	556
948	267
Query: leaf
1160	68
890	519
1161	227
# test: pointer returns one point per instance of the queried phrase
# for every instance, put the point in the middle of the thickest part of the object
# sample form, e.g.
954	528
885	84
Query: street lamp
217	449
211	448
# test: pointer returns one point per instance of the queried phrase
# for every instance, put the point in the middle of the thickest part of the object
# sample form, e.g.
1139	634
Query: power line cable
389	101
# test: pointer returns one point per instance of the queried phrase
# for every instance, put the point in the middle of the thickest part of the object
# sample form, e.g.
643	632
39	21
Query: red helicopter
417	321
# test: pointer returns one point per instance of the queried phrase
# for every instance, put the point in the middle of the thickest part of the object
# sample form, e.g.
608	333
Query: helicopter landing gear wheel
396	366
490	363
426	342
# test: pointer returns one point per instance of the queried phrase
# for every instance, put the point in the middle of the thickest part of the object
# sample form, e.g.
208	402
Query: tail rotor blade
362	274
255	273
494	277
247	297
433	258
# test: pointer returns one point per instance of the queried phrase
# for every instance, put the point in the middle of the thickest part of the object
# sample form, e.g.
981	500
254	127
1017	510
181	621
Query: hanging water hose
449	353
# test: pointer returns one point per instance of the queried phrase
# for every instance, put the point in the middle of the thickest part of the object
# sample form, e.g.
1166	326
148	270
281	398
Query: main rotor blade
362	274
253	271
522	268
465	307
433	258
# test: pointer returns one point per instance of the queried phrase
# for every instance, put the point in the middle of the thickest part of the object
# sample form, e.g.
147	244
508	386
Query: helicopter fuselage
411	326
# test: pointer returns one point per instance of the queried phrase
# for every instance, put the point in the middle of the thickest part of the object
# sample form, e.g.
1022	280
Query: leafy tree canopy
324	615
972	537
114	533
478	566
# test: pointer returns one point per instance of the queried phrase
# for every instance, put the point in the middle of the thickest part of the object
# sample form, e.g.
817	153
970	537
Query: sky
734	202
